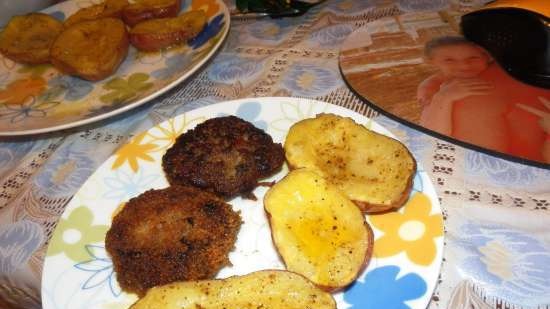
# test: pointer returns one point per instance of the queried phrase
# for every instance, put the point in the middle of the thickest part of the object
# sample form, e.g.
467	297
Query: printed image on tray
417	68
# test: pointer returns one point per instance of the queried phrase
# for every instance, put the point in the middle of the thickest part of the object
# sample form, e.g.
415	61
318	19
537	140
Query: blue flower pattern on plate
123	185
231	68
382	289
32	108
209	31
250	111
74	88
514	265
101	268
309	80
418	184
19	241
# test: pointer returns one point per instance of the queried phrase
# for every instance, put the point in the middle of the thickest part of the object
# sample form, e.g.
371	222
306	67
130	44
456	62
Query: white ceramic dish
78	272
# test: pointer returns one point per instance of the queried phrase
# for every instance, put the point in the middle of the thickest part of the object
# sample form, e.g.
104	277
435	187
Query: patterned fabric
496	212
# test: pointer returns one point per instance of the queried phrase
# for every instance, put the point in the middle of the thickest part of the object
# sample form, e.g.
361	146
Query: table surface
497	245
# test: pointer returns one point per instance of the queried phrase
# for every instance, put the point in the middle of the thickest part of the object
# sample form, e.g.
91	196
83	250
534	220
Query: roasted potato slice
91	49
266	289
109	8
373	170
158	33
27	38
148	9
318	232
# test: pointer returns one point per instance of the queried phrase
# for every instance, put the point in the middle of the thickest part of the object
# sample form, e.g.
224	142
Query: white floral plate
78	272
37	99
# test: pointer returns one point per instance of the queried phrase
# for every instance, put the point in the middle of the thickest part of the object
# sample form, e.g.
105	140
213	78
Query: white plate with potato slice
38	98
408	242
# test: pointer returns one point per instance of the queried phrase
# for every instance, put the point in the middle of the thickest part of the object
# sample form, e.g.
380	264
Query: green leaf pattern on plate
124	90
73	233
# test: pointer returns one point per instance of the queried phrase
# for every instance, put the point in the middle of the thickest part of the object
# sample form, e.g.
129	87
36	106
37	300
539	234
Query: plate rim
436	267
134	104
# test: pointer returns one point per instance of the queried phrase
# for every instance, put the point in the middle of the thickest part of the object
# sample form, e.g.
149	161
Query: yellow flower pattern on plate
165	134
134	151
412	230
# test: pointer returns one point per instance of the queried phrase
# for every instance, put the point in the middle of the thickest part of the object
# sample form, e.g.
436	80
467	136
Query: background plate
384	62
37	99
78	272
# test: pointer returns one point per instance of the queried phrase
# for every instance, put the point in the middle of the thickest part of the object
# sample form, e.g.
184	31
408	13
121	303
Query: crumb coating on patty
175	234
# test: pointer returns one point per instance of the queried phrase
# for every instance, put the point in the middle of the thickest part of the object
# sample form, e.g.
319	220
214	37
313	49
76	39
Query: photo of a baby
435	79
472	99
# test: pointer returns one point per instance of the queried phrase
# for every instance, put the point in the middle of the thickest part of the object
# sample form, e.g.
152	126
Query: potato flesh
267	289
367	166
27	38
159	33
148	9
149	4
192	22
109	8
91	50
318	232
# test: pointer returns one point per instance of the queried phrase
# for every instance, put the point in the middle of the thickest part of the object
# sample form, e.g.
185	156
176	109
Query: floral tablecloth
497	249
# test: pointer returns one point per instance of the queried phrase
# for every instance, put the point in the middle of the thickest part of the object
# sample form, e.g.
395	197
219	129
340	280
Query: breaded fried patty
173	234
224	155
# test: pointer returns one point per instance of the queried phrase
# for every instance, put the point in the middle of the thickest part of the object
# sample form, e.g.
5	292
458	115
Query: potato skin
27	38
156	34
91	50
375	208
266	289
109	8
149	9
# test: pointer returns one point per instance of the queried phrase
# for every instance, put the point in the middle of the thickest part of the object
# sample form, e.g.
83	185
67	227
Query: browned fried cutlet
174	234
224	155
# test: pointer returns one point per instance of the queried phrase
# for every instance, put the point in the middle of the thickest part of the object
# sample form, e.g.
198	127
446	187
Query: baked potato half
266	289
374	171
159	33
317	231
108	8
91	50
27	38
148	9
